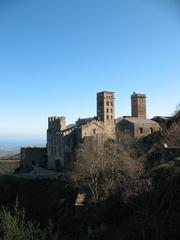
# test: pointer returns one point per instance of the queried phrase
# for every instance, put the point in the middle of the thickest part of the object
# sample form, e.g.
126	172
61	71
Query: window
111	110
107	117
107	110
151	130
107	103
94	131
141	130
111	117
111	104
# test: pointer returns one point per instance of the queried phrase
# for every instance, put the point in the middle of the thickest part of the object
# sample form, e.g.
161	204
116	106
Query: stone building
137	125
32	156
138	105
62	139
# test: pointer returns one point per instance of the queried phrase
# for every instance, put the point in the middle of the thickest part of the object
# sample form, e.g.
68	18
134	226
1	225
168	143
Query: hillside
9	152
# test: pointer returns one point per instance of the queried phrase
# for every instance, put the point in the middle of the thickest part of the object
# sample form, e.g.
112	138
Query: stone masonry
63	139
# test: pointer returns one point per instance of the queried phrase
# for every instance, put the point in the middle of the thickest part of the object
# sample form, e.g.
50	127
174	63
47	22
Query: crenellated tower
56	124
55	151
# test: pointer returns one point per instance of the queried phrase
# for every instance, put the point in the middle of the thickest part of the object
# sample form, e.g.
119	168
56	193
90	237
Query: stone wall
138	105
125	127
137	128
33	155
145	129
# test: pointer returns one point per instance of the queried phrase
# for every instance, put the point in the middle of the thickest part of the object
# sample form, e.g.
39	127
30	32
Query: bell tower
138	105
106	111
105	107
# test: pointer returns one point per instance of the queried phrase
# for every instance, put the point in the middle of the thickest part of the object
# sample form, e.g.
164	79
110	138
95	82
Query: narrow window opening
141	130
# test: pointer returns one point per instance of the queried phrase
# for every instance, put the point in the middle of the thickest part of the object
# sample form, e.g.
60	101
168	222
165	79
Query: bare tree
172	135
107	167
177	108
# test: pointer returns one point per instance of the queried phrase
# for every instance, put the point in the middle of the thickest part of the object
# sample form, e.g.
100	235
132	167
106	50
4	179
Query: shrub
13	226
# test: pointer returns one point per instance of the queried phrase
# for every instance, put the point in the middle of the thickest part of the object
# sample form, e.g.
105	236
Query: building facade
138	105
33	156
62	140
137	125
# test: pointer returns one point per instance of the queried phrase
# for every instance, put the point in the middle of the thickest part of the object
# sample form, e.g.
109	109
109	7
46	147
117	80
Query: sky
55	55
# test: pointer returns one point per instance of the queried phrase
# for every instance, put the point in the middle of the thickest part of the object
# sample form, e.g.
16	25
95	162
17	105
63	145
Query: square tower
138	105
105	107
56	124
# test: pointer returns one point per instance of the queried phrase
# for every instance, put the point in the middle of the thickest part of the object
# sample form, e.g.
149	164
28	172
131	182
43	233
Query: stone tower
138	105
55	152
106	111
56	124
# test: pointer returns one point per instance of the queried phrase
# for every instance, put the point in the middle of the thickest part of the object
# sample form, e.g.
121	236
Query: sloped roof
70	126
95	122
138	120
118	119
82	121
164	118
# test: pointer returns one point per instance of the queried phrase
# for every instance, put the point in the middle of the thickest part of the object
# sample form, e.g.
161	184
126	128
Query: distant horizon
11	141
56	55
20	142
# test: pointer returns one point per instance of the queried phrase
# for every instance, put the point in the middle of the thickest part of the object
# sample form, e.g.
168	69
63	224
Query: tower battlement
56	123
55	118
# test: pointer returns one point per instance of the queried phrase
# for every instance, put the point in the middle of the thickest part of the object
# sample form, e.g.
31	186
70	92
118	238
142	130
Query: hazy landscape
11	147
90	120
9	151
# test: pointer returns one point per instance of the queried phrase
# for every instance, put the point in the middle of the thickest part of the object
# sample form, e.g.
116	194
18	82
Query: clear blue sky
56	54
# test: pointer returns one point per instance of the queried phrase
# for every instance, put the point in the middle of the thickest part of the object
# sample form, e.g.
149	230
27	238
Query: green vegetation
124	193
14	226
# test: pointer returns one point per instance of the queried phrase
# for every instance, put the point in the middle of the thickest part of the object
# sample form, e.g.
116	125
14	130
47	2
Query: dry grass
7	167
